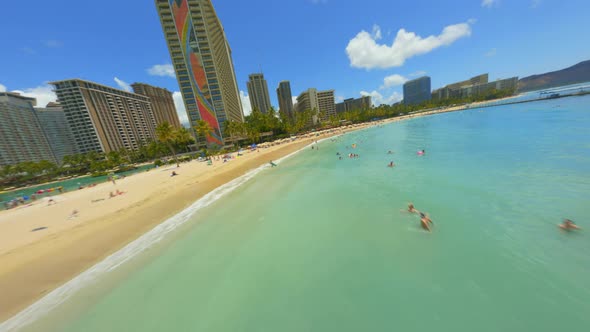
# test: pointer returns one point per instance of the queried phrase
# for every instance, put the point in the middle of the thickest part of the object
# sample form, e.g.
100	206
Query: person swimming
411	208
391	164
425	221
568	225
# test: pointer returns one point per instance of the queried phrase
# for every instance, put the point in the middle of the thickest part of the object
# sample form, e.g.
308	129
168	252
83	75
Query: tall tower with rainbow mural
201	57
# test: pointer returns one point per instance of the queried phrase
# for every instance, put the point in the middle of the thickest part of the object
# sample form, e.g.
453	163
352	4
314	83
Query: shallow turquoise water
320	244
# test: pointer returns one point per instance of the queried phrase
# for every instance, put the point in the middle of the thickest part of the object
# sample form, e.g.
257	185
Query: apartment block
56	130
161	101
285	99
21	135
105	119
258	92
202	61
417	91
352	104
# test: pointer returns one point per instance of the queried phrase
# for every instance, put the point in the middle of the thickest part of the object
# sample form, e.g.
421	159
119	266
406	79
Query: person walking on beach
74	214
272	164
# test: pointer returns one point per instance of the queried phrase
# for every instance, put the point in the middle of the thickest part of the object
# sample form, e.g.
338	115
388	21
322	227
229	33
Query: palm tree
183	137
203	129
166	134
234	129
114	158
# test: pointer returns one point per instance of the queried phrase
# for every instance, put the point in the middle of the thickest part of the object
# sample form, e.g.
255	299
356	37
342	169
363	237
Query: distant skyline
324	44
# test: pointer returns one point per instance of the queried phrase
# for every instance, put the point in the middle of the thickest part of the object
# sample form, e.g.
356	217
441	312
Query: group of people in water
425	221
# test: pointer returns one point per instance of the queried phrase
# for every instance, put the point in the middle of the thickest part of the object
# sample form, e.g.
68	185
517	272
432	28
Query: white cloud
52	43
378	99
162	70
245	103
488	3
43	93
2	88
180	109
294	99
123	85
364	51
393	80
339	99
377	32
418	73
492	52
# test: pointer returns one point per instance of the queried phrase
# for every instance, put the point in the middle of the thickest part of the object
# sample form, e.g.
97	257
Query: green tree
183	138
114	159
234	129
166	134
203	129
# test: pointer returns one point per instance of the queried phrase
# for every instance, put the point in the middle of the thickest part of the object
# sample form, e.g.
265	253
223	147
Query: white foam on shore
58	296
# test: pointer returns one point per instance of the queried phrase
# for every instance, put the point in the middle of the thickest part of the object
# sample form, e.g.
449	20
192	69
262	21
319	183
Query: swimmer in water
568	225
391	164
425	221
411	208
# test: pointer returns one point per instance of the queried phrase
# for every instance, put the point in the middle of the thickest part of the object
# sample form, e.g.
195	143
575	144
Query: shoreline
32	267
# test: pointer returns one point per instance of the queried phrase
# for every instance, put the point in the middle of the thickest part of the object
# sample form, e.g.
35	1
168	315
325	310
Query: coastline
32	264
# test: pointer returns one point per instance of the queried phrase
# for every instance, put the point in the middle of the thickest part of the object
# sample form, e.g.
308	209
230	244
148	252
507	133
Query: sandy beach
32	263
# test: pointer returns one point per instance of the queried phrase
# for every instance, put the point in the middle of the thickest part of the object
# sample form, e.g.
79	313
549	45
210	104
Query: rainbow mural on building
194	65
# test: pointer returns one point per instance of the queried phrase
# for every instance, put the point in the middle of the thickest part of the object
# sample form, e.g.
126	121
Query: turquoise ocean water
320	244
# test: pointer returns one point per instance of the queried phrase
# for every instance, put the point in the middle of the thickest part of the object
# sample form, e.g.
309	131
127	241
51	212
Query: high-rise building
258	92
451	89
326	103
202	61
319	102
21	136
55	127
417	91
285	99
162	103
105	119
479	89
352	104
308	100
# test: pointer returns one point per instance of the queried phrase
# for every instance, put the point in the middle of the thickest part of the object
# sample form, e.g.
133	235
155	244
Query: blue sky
344	45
